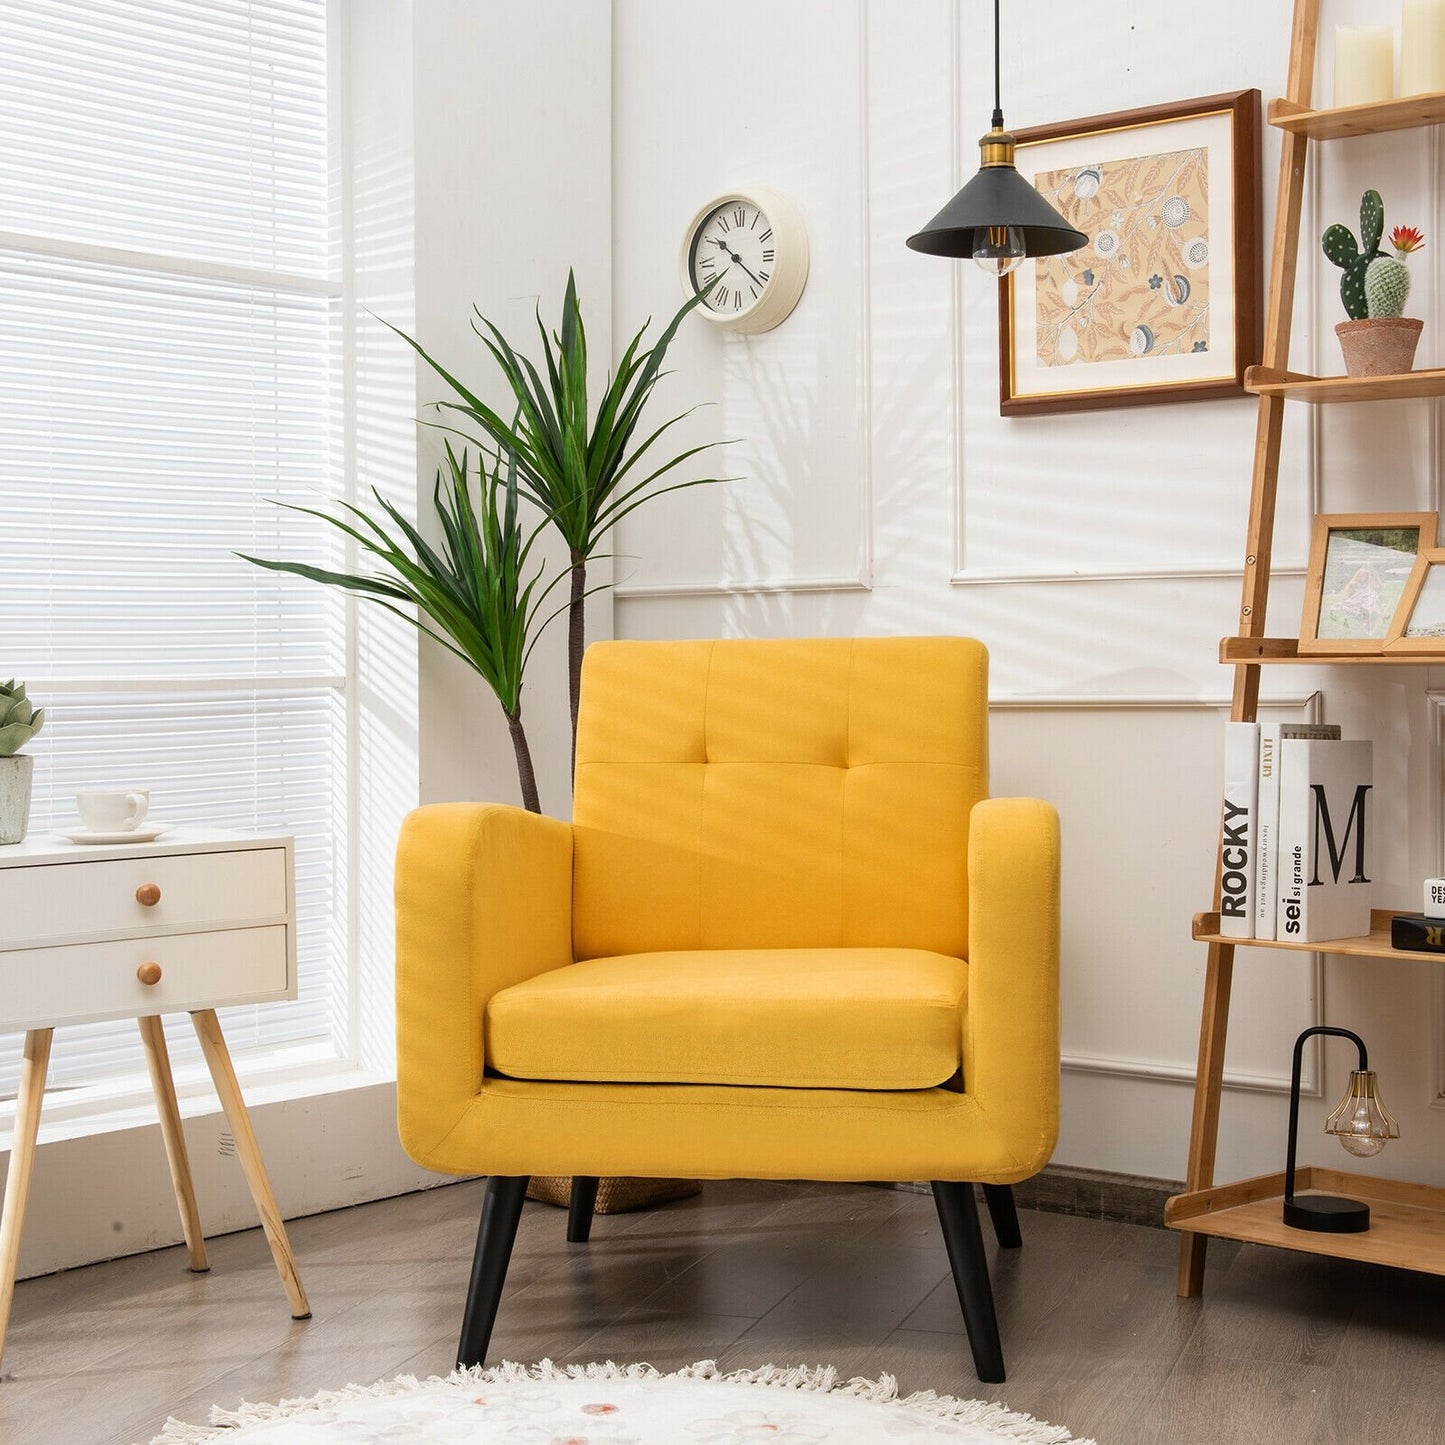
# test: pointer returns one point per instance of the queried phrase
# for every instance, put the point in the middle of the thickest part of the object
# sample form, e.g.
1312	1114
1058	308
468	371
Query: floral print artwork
1139	289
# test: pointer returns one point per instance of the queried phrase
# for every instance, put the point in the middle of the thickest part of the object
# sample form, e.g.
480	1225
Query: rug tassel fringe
818	1379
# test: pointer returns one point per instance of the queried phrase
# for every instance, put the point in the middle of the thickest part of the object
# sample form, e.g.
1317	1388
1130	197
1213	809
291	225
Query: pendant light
998	218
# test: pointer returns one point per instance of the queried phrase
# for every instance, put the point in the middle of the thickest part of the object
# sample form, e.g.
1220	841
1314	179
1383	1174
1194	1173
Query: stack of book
1296	842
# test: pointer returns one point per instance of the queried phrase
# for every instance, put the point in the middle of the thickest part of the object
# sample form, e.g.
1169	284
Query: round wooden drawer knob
149	973
148	894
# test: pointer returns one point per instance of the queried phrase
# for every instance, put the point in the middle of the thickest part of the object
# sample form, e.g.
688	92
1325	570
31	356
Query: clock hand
739	261
735	259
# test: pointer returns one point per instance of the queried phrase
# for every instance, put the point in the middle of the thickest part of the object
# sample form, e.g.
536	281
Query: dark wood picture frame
1127	133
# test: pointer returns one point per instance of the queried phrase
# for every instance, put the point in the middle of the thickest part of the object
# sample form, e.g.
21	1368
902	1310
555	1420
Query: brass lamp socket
996	148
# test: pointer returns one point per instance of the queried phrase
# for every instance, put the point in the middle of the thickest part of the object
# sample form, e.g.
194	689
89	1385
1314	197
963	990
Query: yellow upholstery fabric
741	795
780	794
812	1018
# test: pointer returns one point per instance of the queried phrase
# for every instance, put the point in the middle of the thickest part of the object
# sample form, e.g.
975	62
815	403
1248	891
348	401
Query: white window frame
351	1057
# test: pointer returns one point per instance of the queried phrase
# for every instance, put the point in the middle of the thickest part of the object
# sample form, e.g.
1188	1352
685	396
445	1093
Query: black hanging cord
997	106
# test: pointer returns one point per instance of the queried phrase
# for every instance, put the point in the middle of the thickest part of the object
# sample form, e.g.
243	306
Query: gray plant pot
15	775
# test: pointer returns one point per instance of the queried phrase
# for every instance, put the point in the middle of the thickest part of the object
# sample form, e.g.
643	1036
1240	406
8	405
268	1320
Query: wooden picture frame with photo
1419	622
1360	566
1163	304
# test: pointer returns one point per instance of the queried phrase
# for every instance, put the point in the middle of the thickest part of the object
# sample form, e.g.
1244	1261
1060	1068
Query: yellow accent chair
787	935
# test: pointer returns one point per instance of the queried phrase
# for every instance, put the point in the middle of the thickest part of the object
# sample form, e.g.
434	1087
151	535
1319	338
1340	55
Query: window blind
171	304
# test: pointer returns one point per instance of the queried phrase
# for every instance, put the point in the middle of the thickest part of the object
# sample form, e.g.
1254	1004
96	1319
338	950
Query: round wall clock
753	245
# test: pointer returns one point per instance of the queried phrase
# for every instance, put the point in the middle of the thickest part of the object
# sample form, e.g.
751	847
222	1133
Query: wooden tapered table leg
158	1060
22	1161
218	1060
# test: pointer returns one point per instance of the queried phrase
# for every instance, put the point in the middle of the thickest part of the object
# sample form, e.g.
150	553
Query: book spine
1266	833
1292	764
1237	830
1417	931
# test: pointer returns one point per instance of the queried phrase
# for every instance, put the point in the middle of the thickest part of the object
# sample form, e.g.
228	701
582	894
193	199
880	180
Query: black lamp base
1327	1214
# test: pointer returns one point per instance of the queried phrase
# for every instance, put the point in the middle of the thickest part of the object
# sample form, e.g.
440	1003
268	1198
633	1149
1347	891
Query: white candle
1364	64
1422	46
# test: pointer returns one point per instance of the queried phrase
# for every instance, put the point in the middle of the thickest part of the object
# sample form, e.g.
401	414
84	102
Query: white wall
513	187
1098	554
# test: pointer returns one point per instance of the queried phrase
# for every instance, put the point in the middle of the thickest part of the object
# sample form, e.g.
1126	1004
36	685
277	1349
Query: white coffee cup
112	810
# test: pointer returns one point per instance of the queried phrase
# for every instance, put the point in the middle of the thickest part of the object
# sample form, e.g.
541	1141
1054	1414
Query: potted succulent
1378	339
19	722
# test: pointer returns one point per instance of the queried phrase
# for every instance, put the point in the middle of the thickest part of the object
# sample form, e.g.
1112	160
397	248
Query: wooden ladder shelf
1410	1218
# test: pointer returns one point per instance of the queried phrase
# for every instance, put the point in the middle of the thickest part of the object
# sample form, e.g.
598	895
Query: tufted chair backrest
777	794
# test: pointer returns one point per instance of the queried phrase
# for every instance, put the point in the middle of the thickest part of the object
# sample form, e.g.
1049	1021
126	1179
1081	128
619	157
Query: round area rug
547	1404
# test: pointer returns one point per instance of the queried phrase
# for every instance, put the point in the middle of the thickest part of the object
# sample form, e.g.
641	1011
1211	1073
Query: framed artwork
1360	565
1162	304
1419	621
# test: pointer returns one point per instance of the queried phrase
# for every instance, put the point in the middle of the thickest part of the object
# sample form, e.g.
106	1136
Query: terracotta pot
1379	345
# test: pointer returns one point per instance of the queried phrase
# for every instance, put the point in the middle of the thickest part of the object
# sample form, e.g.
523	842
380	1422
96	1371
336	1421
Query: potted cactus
19	722
1378	339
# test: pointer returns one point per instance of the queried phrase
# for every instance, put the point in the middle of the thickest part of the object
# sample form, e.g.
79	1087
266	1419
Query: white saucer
143	833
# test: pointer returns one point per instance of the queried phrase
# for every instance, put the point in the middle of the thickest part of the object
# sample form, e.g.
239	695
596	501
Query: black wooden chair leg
501	1210
1005	1215
958	1214
580	1208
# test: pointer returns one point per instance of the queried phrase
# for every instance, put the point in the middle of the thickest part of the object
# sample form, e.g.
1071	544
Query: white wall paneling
1144	828
513	188
1097	554
1435	794
779	97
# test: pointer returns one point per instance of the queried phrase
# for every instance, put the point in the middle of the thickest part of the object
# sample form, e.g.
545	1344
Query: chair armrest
483	901
1011	1032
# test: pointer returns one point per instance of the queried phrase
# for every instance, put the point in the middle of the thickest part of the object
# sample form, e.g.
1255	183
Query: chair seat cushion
809	1018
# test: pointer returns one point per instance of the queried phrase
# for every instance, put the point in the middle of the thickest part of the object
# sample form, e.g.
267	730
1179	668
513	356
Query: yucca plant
473	593
580	468
19	721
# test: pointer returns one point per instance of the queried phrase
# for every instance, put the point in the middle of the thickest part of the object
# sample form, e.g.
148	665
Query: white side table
196	921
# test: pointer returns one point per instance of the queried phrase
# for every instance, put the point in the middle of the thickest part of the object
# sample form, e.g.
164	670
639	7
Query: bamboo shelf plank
1342	122
1374	944
1262	381
1407	1221
1235	650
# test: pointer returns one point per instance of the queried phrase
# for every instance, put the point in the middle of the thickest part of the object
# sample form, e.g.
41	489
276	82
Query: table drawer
53	901
76	983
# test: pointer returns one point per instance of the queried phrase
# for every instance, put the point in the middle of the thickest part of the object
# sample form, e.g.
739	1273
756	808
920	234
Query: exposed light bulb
1359	1135
998	249
1360	1120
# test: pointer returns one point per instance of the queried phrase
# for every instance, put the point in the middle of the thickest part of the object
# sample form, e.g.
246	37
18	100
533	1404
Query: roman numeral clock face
734	249
752	252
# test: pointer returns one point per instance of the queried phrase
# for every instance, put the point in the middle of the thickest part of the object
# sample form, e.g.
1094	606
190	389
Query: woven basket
614	1196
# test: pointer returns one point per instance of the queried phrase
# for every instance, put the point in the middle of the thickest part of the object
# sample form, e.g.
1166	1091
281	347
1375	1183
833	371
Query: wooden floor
1283	1346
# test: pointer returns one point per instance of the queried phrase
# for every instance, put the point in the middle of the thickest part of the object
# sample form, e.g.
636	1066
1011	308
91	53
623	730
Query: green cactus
1387	285
19	722
1354	259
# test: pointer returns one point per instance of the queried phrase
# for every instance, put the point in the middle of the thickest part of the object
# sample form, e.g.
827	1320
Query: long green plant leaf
472	592
569	463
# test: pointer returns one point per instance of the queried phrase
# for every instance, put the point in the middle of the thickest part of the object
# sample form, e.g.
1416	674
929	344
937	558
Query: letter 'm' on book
1326	841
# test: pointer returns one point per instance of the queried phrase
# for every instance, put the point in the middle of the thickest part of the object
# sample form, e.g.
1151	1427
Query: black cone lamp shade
997	197
998	218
